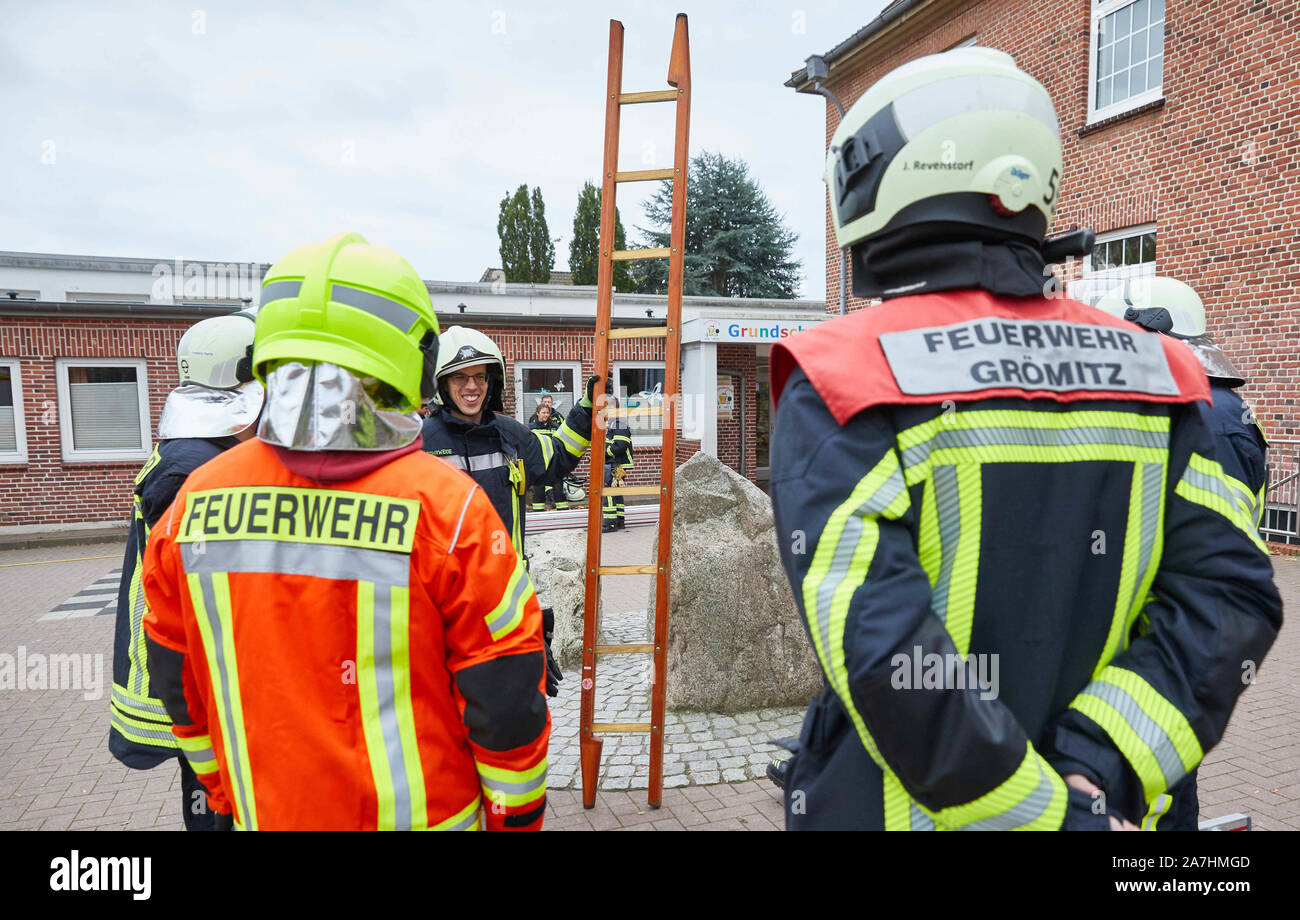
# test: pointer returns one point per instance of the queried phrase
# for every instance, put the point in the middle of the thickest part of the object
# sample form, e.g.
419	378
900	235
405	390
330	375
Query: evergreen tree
736	243
541	250
584	248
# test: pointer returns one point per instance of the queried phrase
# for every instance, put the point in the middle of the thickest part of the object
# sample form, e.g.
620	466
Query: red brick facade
47	491
1212	167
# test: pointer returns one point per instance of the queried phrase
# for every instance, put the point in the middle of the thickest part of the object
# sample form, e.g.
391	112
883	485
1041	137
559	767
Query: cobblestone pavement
56	772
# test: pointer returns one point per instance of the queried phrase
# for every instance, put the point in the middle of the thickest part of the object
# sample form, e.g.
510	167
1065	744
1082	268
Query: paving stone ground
56	772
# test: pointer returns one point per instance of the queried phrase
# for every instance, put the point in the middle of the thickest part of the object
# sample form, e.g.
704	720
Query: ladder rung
657	95
635	411
639	332
634	648
632	255
605	728
629	490
626	569
643	175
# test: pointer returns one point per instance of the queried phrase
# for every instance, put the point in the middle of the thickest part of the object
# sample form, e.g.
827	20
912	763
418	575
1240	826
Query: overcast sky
237	131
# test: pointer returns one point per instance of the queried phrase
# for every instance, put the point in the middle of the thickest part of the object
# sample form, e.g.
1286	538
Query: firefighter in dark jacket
1171	307
213	409
979	490
467	427
618	463
544	422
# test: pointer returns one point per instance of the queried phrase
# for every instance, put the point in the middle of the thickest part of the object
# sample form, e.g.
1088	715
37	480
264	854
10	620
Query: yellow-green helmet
349	303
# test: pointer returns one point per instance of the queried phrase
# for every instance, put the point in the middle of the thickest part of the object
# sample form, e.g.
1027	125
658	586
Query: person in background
618	463
214	408
544	422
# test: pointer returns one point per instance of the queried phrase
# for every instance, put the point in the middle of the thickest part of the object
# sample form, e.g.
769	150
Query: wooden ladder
679	77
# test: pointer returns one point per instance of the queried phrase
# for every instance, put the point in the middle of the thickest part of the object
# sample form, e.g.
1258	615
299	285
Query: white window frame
969	41
19	455
1091	286
1100	10
70	453
617	368
521	366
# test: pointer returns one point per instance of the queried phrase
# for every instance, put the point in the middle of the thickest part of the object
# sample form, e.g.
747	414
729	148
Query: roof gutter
45	309
802	81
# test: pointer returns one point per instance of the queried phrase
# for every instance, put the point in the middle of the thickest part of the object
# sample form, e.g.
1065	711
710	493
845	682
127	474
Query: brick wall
739	358
45	490
1213	167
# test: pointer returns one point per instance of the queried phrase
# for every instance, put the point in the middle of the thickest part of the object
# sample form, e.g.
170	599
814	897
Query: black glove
222	822
553	673
588	400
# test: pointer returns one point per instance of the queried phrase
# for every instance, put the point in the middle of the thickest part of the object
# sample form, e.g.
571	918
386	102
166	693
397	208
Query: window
1118	256
560	380
103	409
1126	66
967	42
763	423
13	432
83	297
641	386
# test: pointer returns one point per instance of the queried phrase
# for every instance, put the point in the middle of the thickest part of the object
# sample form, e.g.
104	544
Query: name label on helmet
302	516
994	353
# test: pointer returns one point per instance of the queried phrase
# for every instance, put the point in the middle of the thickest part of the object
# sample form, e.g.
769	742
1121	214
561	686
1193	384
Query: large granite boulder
556	559
736	641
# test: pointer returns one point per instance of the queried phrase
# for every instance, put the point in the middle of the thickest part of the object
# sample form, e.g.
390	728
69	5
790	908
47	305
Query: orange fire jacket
354	655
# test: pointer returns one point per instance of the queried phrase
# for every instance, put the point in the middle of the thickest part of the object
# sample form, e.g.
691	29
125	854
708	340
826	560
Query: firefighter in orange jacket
336	635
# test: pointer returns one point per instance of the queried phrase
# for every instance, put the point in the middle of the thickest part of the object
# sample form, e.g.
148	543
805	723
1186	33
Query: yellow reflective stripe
210	594
573	442
313	516
198	751
960	614
464	820
1259	506
548	446
136	651
1151	539
401	664
140	706
1204	483
929	549
898	811
839	566
1032	799
1241	491
1174	724
509	611
142	731
1128	573
1137	754
513	787
1159	808
367	689
154	459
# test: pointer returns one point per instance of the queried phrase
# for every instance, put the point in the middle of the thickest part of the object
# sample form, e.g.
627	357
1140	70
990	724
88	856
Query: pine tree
736	243
584	248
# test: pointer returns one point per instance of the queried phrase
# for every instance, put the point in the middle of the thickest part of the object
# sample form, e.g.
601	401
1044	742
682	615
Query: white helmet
460	347
960	138
1172	307
217	352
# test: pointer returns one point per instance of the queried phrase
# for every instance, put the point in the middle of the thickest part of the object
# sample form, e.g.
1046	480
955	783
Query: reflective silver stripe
131	704
572	441
920	820
1026	811
139	669
233	733
277	290
1152	495
486	462
497	785
201	758
387	309
166	738
386	700
460	520
512	605
1031	437
548	446
285	557
469	822
455	460
1147	729
1199	480
850	536
949	511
